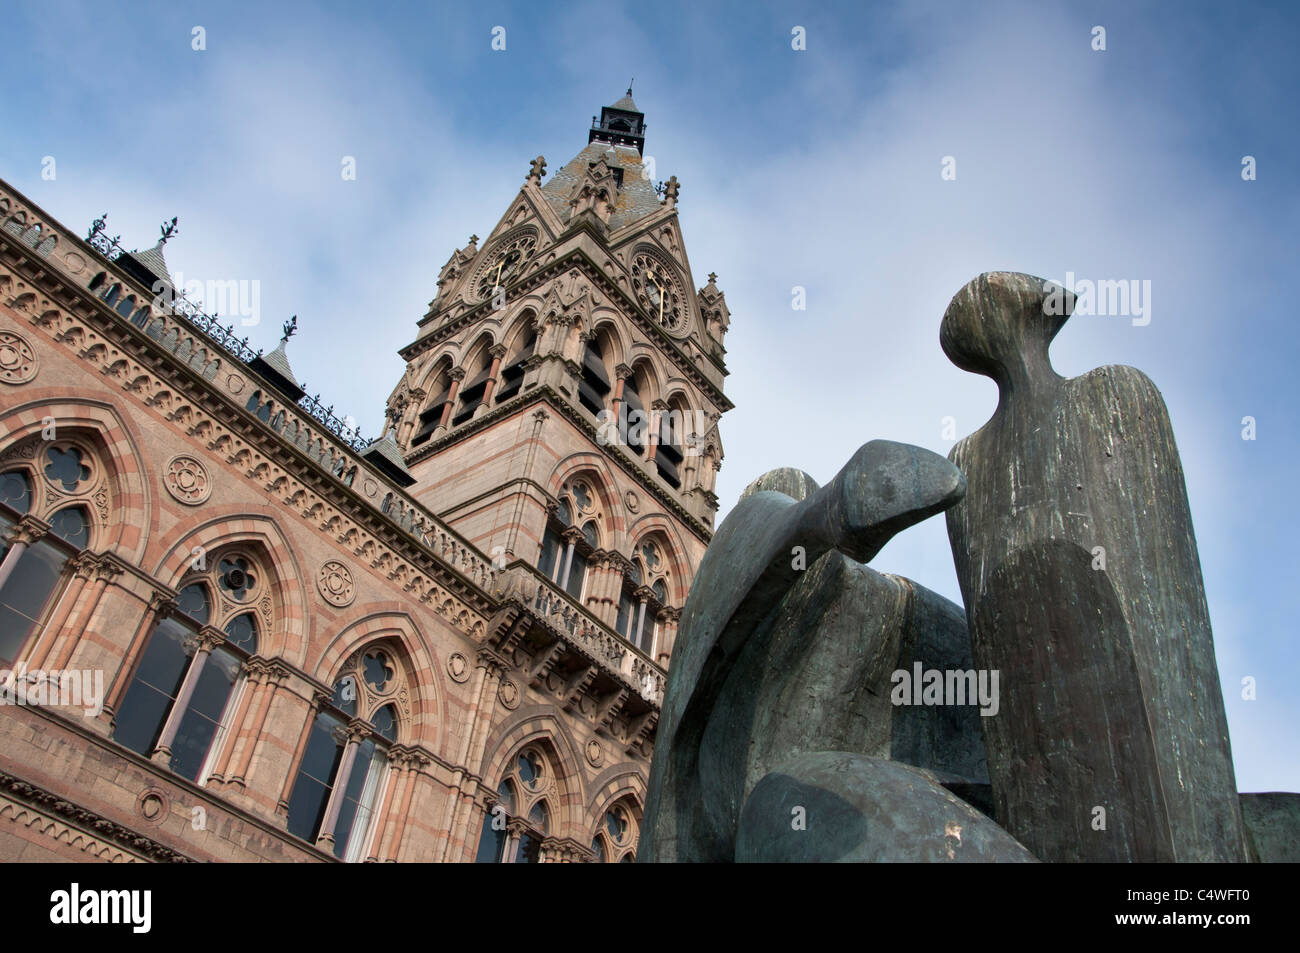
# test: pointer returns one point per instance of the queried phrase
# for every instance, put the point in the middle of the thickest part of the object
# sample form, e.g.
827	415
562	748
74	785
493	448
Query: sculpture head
1000	325
792	482
883	489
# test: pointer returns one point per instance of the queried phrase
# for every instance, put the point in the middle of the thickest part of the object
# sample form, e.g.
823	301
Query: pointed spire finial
629	86
290	328
168	230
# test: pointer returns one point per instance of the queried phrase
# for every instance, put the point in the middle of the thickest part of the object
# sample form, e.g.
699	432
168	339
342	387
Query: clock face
658	292
505	264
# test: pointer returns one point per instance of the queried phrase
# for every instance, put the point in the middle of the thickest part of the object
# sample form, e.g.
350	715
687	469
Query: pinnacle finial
629	85
168	230
290	328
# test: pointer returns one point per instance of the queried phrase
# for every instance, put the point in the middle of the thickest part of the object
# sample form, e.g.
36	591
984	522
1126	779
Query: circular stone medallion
17	359
335	583
187	480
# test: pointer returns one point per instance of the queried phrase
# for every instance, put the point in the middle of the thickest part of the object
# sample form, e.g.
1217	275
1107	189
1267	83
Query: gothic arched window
615	838
345	763
519	820
182	694
512	374
593	385
44	521
567	545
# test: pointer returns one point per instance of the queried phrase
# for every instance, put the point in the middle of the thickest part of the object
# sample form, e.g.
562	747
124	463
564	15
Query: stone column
652	442
77	626
490	669
409	762
457	375
162	604
22	534
407	426
319	700
497	351
207	639
571	535
83	568
356	732
669	620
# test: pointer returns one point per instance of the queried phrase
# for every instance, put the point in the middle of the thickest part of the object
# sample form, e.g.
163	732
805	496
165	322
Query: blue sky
818	168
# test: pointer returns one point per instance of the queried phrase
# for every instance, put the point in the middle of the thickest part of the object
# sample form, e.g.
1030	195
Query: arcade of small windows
45	507
127	306
519	820
570	540
343	770
178	706
615	840
261	407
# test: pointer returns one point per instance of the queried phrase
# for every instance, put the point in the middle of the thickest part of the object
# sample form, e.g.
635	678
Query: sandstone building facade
232	630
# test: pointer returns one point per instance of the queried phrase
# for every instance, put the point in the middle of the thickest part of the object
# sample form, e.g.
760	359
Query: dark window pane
158	678
345	695
236	578
378	669
385	722
660	591
200	721
506	797
539	817
352	791
241	631
577	573
591	535
550	555
491	843
315	776
16	491
598	848
72	525
25	594
530	768
624	615
65	467
193	601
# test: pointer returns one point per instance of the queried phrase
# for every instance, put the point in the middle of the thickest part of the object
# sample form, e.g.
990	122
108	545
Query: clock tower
561	398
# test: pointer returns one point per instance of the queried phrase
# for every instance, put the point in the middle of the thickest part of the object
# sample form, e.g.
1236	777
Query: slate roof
385	454
626	103
636	198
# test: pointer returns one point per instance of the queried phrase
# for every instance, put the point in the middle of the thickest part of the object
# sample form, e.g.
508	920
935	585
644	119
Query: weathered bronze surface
1110	692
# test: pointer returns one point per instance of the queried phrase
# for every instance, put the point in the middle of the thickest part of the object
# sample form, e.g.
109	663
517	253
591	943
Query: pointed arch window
616	836
519	819
431	416
183	693
566	550
344	767
593	385
34	554
512	375
472	391
633	420
668	452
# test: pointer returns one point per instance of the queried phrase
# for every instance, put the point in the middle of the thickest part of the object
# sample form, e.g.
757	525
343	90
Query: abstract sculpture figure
780	684
1078	566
